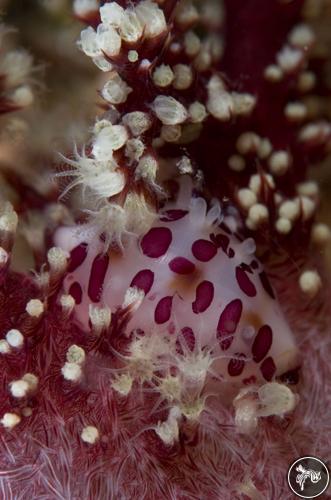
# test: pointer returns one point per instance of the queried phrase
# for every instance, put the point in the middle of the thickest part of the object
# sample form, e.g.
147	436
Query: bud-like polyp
100	317
169	111
71	371
57	259
10	420
14	338
35	308
90	434
75	354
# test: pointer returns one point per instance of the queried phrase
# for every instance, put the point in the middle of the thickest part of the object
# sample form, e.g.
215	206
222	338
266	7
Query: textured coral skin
44	455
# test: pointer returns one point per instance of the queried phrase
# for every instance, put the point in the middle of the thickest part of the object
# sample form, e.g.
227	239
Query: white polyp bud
100	317
112	14
246	198
22	96
203	60
171	133
308	188
273	73
71	371
19	388
83	8
264	148
122	384
14	338
115	91
108	40
306	81
169	111
137	122
243	104
147	168
295	111
102	63
26	411
134	149
236	163
32	381
283	225
151	17
9	420
8	219
279	162
133	298
302	36
133	56
197	112
4	347
3	257
256	181
289	59
258	214
131	29
109	139
163	75
67	302
183	76
321	234
90	434
88	42
290	209
75	354
192	44
275	399
168	431
34	308
15	66
220	103
248	142
310	283
315	132
184	165
308	207
186	13
57	259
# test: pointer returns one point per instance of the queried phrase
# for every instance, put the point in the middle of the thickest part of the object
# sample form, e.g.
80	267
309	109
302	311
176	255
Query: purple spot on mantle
203	297
77	257
156	242
172	215
97	276
143	280
180	265
268	368
204	250
245	283
262	343
236	365
228	323
163	310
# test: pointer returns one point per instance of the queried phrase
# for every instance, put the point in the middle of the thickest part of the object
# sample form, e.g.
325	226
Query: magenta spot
189	337
143	280
245	283
236	365
77	257
228	323
221	241
262	343
291	377
76	292
163	310
203	297
231	253
246	267
97	276
268	368
266	284
172	215
180	265
156	242
204	250
249	380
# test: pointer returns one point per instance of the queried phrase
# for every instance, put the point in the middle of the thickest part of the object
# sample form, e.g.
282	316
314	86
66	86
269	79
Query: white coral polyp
111	14
130	28
110	138
108	40
152	18
169	111
88	42
115	91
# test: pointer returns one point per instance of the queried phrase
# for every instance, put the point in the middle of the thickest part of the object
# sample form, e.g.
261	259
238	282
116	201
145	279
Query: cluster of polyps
15	72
